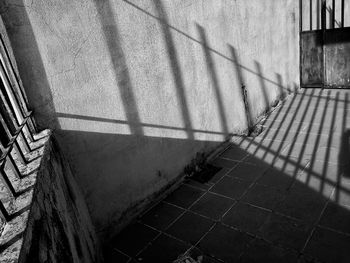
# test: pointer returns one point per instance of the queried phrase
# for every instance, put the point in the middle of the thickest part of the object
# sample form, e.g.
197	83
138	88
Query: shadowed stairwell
282	196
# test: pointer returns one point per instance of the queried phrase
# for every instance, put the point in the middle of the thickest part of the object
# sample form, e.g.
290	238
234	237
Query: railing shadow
112	168
30	66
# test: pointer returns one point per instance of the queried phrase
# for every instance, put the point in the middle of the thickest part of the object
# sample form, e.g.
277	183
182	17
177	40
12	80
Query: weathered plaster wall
136	88
59	227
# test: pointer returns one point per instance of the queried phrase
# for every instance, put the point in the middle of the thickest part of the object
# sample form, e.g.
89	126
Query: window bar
323	14
21	153
10	94
7	102
5	133
14	164
7	114
301	15
7	138
333	14
9	184
310	15
21	91
20	96
342	13
12	140
11	106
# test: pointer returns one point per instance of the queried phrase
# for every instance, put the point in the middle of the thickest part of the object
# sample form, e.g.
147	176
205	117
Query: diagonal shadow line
149	125
313	158
271	128
318	11
241	80
281	88
300	125
278	112
262	84
310	125
175	66
289	127
112	38
213	75
311	172
278	130
64	115
195	40
329	142
344	151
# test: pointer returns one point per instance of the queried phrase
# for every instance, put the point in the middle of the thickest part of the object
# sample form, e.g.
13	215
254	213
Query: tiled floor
283	196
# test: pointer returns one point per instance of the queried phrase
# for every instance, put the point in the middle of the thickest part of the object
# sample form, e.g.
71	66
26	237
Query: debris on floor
187	259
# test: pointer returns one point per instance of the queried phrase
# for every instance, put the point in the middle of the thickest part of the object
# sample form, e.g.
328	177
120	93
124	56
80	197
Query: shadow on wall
29	62
321	132
287	188
118	172
310	138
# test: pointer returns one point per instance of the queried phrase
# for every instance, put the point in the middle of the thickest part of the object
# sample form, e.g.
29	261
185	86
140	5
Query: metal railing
20	145
320	9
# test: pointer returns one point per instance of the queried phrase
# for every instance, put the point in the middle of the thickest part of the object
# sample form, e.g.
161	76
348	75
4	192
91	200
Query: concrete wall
136	88
59	227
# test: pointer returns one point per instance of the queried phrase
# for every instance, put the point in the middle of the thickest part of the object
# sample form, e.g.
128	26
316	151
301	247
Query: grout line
334	230
252	184
177	218
197	243
121	252
316	223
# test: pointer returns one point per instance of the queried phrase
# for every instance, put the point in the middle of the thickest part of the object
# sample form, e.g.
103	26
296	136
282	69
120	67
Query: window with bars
21	148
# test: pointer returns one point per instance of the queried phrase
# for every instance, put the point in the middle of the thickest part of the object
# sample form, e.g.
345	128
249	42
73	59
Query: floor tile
133	238
204	186
234	153
210	183
290	185
341	195
264	196
336	217
201	257
231	187
163	249
184	196
190	227
247	172
302	203
327	171
161	216
113	256
224	243
261	251
329	246
212	206
205	174
275	178
245	217
224	163
285	232
316	183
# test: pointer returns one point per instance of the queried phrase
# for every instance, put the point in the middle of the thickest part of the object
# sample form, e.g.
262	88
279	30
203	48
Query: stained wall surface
134	89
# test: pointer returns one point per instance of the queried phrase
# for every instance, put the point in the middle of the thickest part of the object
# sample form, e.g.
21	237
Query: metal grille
319	11
20	150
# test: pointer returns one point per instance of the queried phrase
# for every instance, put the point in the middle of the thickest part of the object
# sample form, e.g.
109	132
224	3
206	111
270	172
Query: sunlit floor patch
283	196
